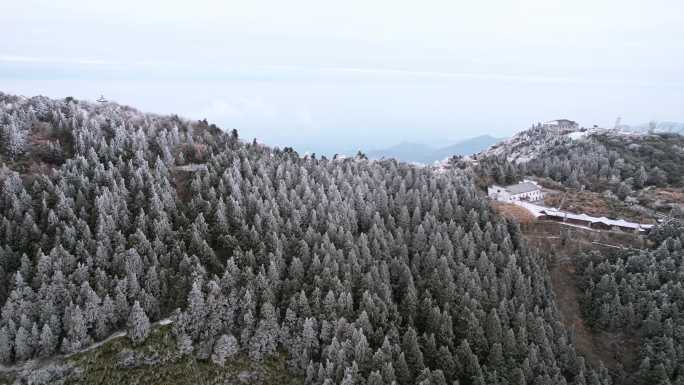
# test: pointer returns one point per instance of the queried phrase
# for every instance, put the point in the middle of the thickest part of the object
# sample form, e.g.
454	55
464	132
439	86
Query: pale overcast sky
331	76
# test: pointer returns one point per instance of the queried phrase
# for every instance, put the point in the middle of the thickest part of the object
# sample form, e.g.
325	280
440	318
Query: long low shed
541	212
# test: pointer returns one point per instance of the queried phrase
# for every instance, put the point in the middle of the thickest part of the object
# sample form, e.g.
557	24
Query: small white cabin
528	190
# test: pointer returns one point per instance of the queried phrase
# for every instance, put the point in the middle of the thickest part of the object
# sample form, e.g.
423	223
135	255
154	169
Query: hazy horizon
329	78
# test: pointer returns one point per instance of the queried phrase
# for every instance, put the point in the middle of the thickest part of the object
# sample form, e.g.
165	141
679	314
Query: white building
561	125
528	190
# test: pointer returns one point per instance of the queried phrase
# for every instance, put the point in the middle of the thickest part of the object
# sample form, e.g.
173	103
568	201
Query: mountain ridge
427	154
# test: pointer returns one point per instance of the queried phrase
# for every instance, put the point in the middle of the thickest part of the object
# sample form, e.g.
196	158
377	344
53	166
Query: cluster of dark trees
490	170
642	293
362	272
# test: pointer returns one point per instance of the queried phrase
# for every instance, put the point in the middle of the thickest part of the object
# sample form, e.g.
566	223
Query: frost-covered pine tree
226	347
13	139
184	344
196	312
77	332
105	317
309	342
247	329
138	324
5	346
48	343
22	344
265	339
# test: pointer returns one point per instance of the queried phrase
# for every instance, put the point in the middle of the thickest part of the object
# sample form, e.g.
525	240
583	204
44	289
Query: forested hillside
603	161
358	271
637	293
642	292
621	162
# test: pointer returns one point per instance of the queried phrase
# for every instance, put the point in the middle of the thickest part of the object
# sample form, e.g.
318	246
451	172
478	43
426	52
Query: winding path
41	362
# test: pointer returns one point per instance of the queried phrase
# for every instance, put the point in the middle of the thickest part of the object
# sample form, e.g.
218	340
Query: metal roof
559	121
538	211
522	188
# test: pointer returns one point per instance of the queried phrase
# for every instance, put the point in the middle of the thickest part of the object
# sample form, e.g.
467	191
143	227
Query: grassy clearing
512	211
156	362
595	204
103	366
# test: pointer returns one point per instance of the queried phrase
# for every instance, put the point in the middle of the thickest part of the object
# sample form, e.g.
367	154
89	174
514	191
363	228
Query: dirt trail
41	362
614	350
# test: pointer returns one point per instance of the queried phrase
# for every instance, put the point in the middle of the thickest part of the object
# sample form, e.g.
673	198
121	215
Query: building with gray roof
527	190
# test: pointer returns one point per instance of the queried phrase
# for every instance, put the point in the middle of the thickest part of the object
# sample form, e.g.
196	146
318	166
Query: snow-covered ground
525	145
577	135
165	321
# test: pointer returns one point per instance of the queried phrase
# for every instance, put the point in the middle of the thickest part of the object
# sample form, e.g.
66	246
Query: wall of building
529	196
502	195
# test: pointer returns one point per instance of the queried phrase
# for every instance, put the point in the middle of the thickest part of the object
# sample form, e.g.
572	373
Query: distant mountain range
423	153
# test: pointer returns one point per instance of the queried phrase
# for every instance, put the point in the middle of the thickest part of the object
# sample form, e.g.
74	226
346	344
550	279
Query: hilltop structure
561	125
528	190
